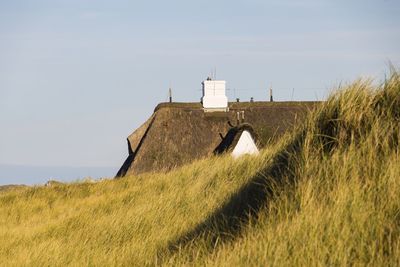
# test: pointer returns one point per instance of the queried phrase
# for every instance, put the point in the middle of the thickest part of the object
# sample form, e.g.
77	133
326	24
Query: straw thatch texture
178	133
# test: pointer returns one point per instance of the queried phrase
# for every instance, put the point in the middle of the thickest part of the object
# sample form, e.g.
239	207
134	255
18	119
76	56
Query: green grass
326	194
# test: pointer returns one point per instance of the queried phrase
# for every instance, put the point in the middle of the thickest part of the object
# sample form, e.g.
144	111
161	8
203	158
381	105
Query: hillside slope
327	194
116	222
330	197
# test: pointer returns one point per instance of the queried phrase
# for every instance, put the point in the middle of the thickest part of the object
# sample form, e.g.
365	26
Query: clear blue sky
78	76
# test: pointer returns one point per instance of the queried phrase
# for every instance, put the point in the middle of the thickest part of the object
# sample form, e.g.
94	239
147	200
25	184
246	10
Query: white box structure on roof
214	96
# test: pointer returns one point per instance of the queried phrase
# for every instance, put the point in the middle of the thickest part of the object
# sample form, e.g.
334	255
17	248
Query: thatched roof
178	133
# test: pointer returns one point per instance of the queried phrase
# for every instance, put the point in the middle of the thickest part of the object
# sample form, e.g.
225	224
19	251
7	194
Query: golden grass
115	222
343	204
327	194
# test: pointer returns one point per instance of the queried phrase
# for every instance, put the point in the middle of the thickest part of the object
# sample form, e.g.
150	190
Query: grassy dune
339	202
326	194
122	222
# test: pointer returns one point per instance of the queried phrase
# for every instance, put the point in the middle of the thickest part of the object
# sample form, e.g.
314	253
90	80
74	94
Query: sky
78	76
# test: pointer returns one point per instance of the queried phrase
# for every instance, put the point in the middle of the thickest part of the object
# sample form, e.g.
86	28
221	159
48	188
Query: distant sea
36	175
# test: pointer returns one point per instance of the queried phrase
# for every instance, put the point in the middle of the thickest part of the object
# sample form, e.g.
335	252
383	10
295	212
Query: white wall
245	145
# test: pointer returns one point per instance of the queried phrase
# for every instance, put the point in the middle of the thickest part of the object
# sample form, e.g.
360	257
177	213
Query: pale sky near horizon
78	76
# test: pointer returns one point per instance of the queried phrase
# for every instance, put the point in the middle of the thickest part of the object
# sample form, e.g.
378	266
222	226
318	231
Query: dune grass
115	222
340	202
326	194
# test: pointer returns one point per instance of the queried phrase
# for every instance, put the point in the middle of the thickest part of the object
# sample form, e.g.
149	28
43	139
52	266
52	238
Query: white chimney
214	95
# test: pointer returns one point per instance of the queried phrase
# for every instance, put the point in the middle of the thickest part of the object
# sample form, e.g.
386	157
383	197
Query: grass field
326	194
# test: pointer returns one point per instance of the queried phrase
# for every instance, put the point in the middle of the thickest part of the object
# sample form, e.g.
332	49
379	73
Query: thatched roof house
179	133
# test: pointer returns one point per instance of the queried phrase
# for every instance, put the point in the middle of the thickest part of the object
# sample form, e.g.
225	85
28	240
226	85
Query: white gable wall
245	145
